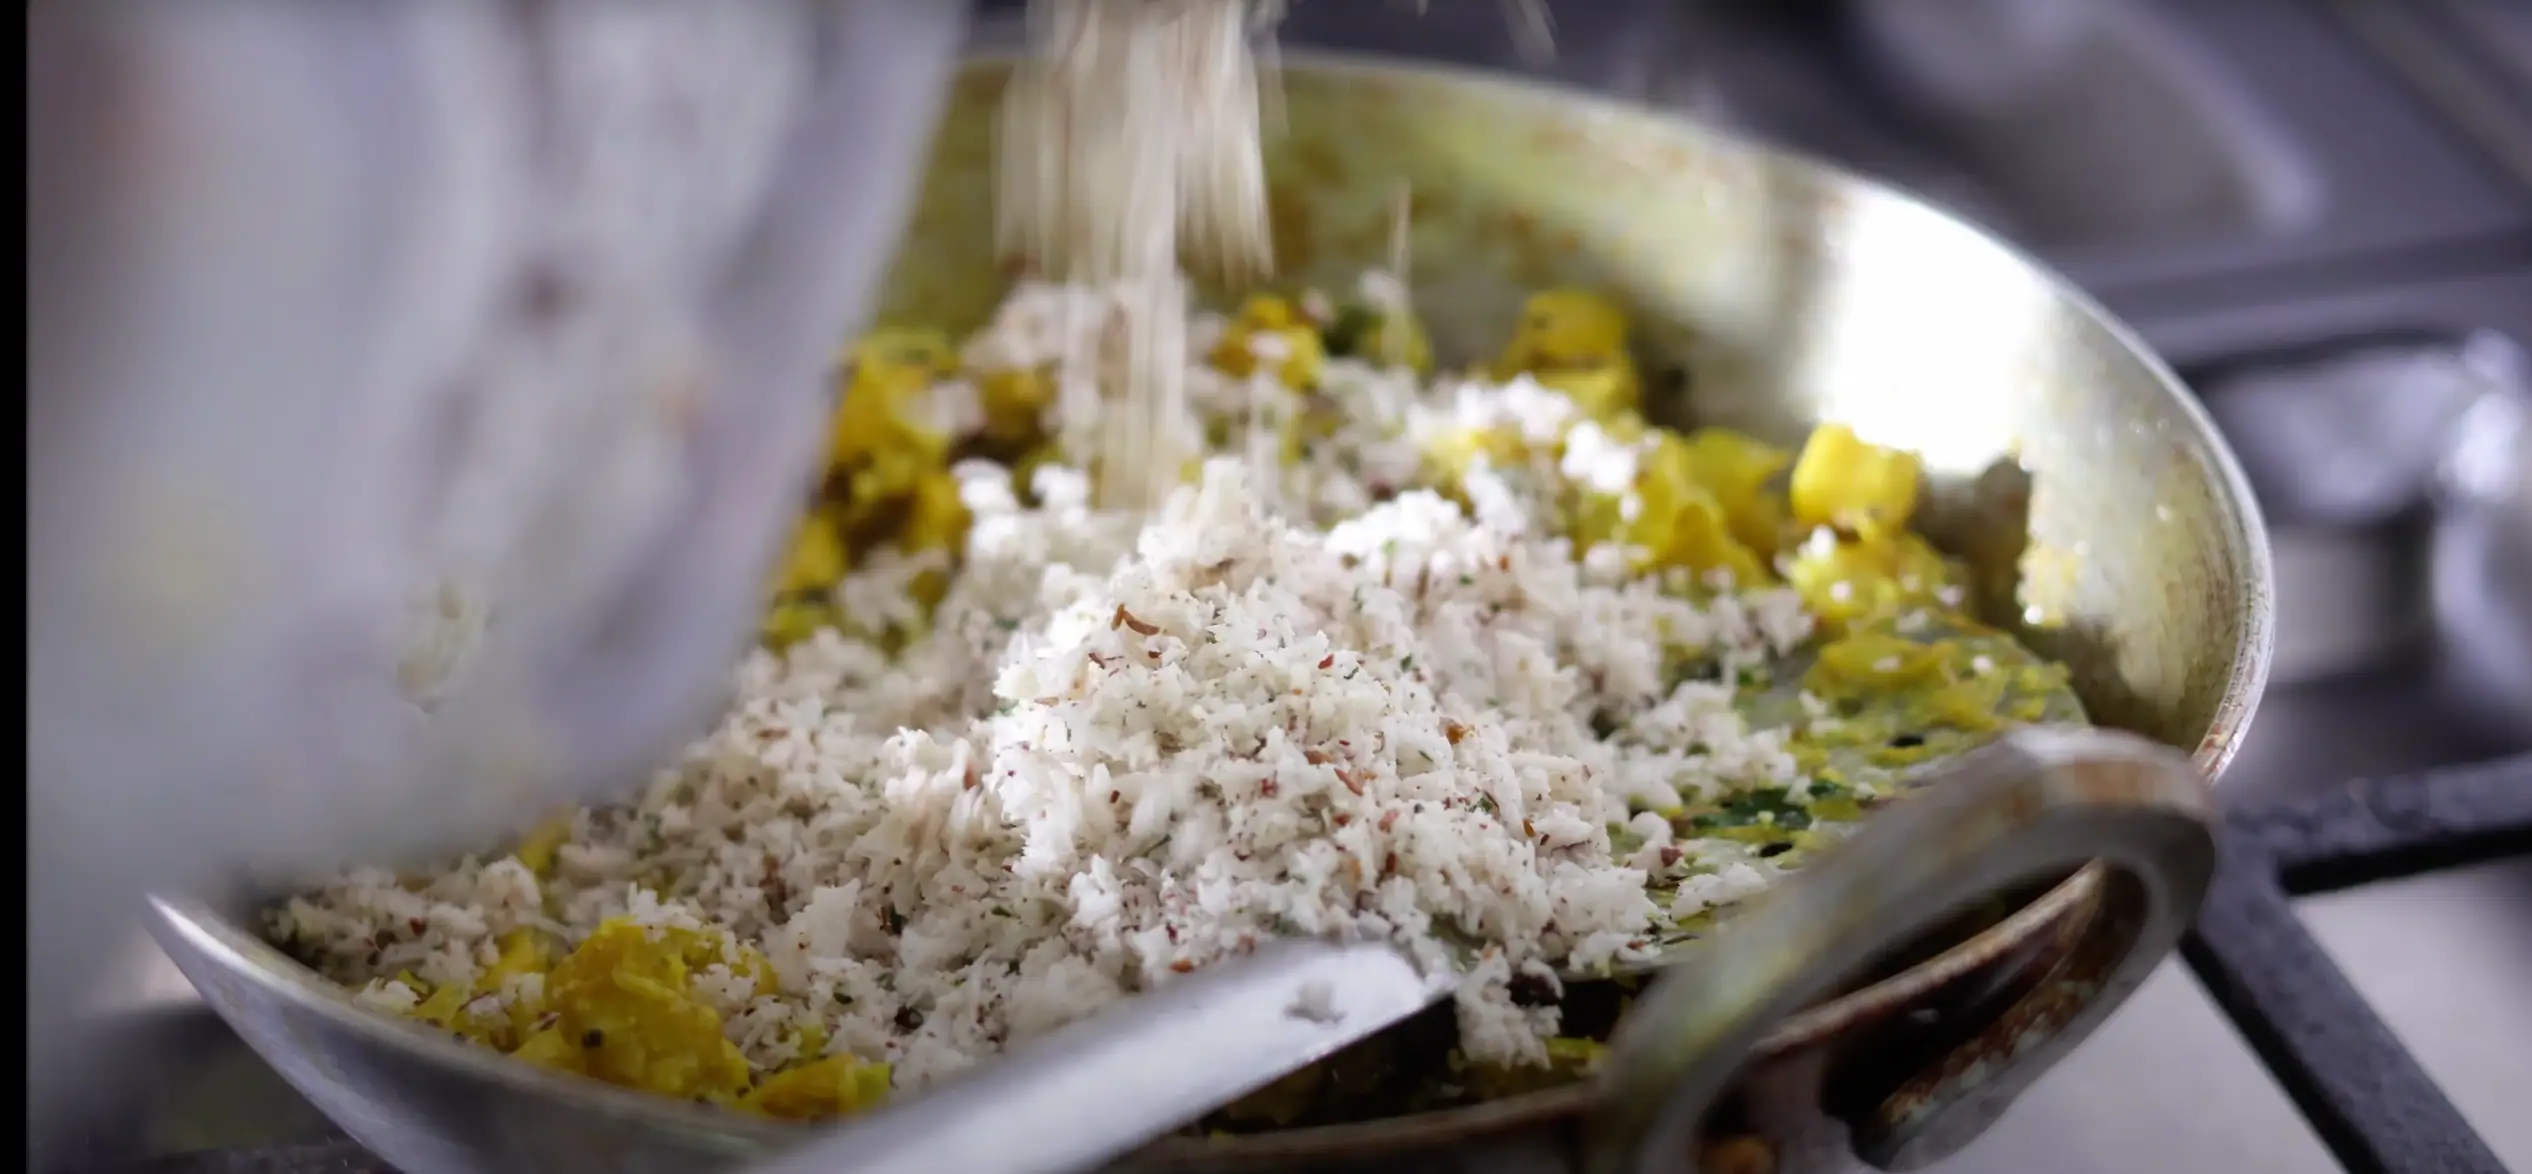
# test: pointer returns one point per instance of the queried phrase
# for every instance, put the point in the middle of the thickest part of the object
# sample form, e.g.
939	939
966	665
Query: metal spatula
1109	1084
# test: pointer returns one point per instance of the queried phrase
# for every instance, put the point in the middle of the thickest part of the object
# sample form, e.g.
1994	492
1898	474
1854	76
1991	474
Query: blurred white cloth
419	394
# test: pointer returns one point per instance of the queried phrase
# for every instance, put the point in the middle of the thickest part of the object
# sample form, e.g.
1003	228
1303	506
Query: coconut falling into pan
1130	150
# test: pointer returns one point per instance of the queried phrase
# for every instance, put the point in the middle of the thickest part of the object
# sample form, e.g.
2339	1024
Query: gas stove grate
2366	1096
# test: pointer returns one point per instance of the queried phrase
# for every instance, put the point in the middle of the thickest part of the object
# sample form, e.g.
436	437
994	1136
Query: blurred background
2320	213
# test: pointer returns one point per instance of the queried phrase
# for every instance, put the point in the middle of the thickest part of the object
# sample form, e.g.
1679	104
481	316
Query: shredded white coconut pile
1125	748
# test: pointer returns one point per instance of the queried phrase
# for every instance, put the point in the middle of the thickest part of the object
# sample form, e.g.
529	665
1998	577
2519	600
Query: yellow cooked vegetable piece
1575	342
888	473
1848	582
791	621
1857	488
871	415
1976	702
1564	328
1737	470
480	1012
1689	531
536	849
1014	402
1910	691
808	1042
1270	332
883	483
890	370
1863	663
936	519
1600	389
802	591
441	1007
523	952
547	1048
817	559
624	996
1679	522
837	1086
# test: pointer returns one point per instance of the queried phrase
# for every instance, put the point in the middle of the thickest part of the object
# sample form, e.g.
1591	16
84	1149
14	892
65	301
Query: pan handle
2034	804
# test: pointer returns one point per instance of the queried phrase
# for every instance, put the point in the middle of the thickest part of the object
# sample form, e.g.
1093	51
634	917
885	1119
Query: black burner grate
2370	1101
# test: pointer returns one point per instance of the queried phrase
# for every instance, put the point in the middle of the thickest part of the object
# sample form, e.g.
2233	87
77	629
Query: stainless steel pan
2069	468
